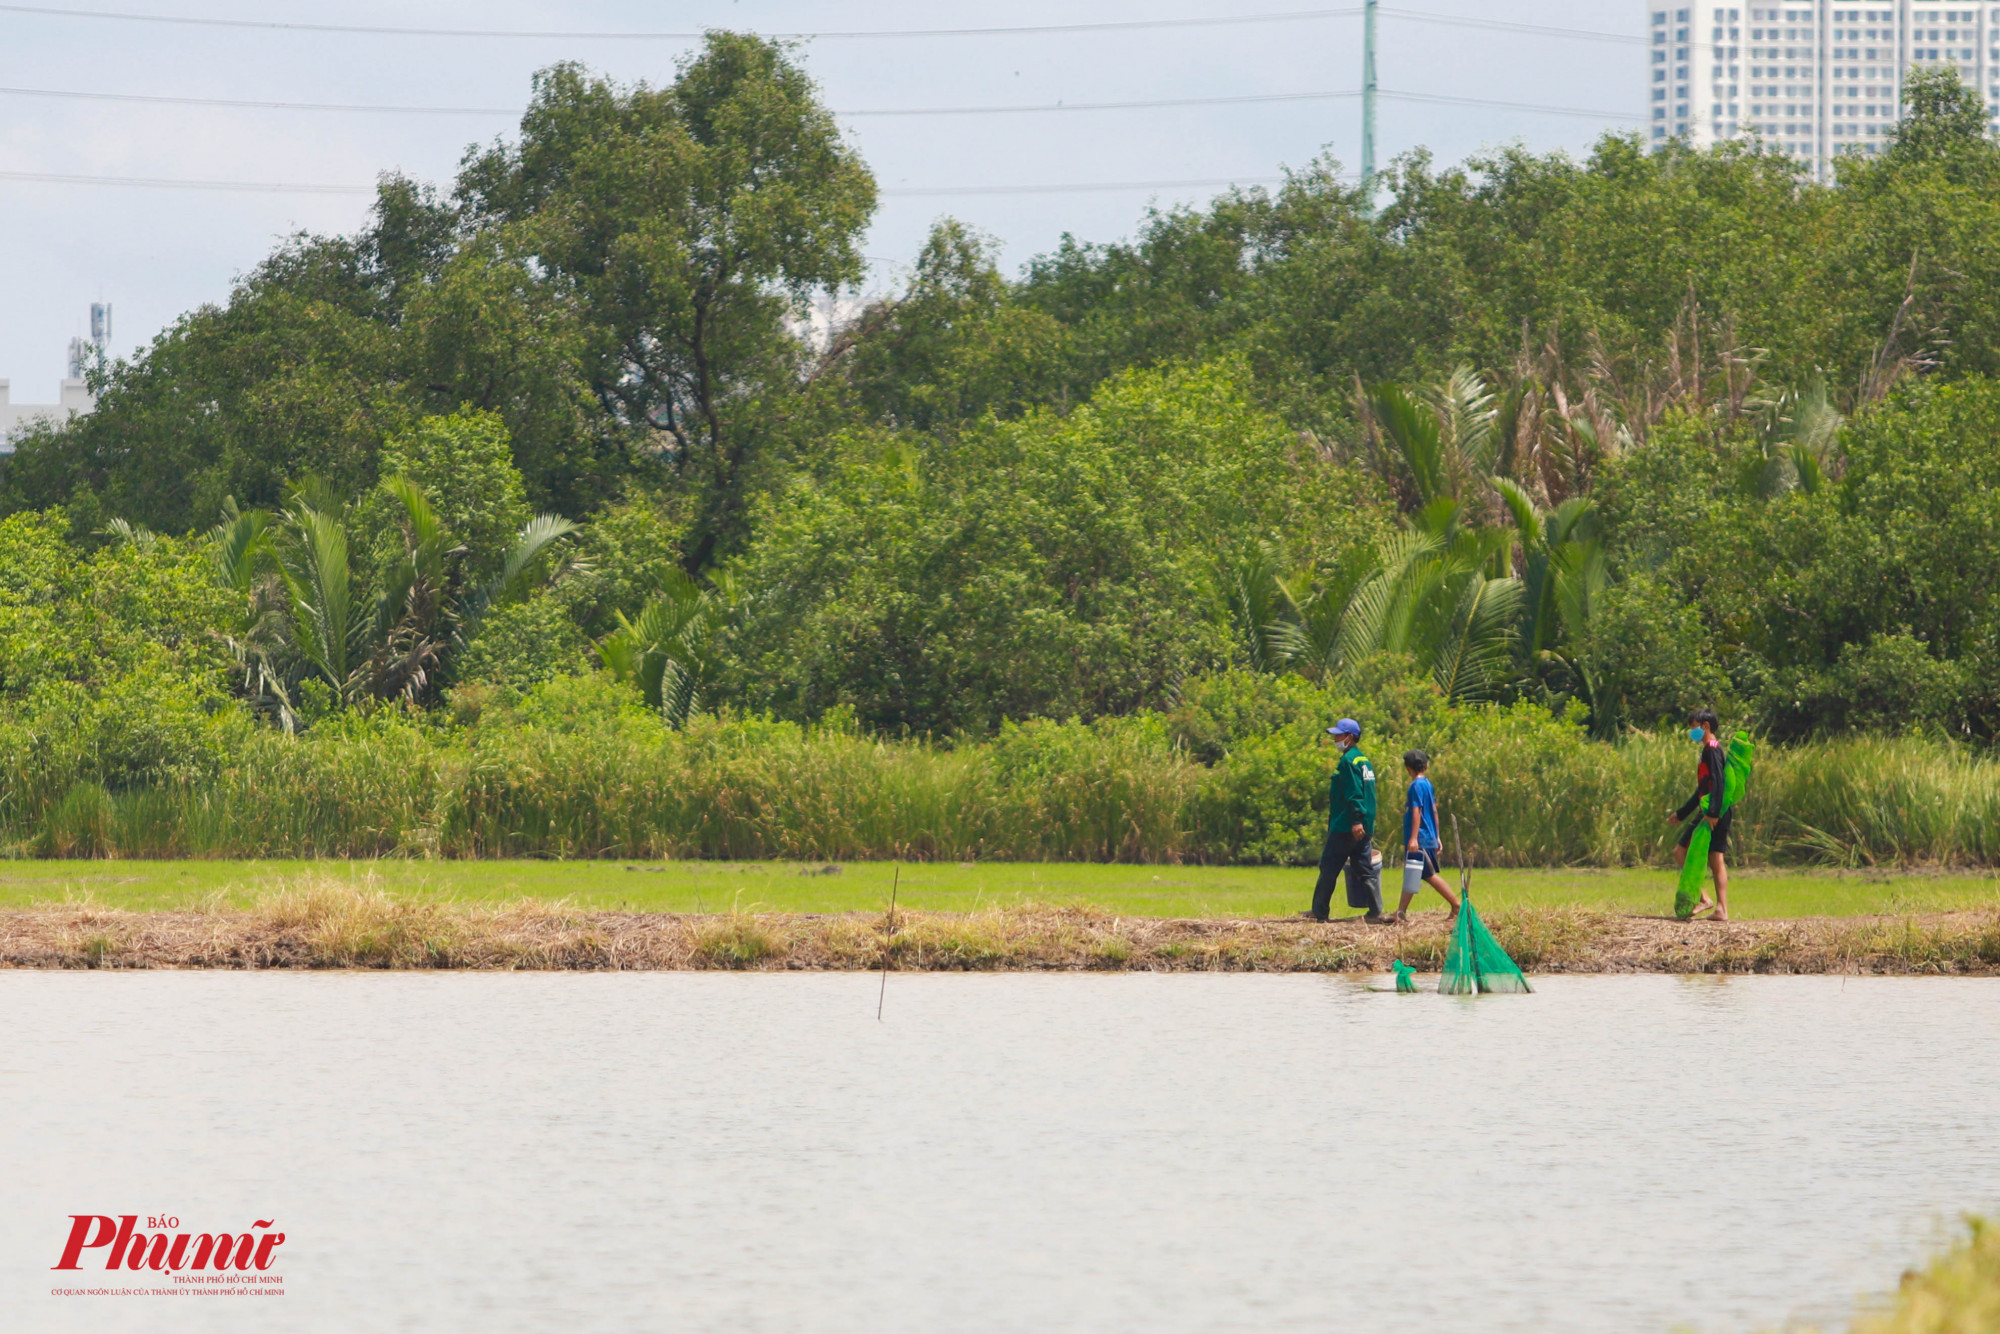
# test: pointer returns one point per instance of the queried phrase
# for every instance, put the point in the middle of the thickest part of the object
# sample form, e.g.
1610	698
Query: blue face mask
1696	734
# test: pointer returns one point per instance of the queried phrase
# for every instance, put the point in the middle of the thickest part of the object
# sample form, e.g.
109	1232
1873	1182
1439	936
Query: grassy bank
326	922
1957	1293
836	887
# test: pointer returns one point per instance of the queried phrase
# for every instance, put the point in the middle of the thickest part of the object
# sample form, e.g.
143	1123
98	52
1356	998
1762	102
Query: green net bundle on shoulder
1475	963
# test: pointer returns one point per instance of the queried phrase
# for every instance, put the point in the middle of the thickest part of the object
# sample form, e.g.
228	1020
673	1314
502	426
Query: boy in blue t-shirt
1421	843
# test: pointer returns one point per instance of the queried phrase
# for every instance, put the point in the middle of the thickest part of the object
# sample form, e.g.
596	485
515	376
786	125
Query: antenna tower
1368	106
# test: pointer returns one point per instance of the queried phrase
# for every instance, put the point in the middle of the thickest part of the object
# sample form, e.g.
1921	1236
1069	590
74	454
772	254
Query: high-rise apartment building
1815	79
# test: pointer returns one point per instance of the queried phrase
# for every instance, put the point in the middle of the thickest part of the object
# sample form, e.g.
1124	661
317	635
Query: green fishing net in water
1476	964
1406	977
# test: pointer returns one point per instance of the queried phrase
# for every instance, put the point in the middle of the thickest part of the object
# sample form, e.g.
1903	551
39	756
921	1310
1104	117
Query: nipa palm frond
239	545
668	650
517	570
1579	576
1258	599
537	536
319	584
1478	637
1382	616
1411	429
1467	417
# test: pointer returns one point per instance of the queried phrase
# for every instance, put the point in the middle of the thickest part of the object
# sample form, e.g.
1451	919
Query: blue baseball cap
1345	727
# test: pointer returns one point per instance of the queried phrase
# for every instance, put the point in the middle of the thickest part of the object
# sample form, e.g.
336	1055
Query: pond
756	1152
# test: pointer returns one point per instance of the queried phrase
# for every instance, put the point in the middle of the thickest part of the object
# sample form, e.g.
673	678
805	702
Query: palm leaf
1580	575
517	570
667	652
1521	508
1258	599
1574	519
1411	428
1479	636
125	533
1469	435
319	585
537	536
423	531
1381	616
239	545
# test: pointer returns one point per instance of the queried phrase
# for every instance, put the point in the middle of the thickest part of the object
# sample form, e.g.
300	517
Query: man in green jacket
1350	830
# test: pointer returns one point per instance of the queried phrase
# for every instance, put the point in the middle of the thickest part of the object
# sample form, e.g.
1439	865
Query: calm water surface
675	1151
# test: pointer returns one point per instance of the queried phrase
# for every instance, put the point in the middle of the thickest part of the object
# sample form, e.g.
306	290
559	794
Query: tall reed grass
1525	792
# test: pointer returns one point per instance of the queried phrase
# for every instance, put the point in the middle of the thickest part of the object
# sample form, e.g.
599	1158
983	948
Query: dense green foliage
1051	565
1563	448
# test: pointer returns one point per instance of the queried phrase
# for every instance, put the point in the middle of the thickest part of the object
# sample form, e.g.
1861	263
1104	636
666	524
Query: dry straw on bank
326	922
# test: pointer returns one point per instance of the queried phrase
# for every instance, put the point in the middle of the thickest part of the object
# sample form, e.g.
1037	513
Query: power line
1422	16
1125	25
1532	107
1016	109
1104	187
165	183
1435	99
1025	108
1502	25
909	193
1240	99
240	104
1543	29
852	34
274	187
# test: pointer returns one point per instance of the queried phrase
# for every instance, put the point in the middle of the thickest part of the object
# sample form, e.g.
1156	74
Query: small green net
1406	977
1476	963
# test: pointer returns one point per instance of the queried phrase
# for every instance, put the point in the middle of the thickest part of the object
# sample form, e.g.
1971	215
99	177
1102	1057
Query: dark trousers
1364	886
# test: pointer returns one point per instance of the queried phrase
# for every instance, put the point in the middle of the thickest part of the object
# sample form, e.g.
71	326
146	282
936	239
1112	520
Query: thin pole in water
1464	871
1470	959
883	994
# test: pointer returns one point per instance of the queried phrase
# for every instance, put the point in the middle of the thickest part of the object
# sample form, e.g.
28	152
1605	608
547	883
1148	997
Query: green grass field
1139	891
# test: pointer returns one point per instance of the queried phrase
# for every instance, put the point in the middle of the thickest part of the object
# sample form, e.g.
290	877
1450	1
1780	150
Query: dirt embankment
337	925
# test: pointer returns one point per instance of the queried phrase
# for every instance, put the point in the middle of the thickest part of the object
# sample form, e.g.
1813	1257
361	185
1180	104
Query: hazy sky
156	253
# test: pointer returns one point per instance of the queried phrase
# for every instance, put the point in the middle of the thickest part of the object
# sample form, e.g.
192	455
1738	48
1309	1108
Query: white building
74	401
1814	79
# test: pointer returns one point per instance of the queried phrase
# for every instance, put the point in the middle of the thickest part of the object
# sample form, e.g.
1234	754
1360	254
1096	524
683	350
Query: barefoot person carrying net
1719	782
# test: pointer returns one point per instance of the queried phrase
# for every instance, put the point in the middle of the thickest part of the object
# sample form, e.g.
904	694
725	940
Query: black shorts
1718	839
1430	862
